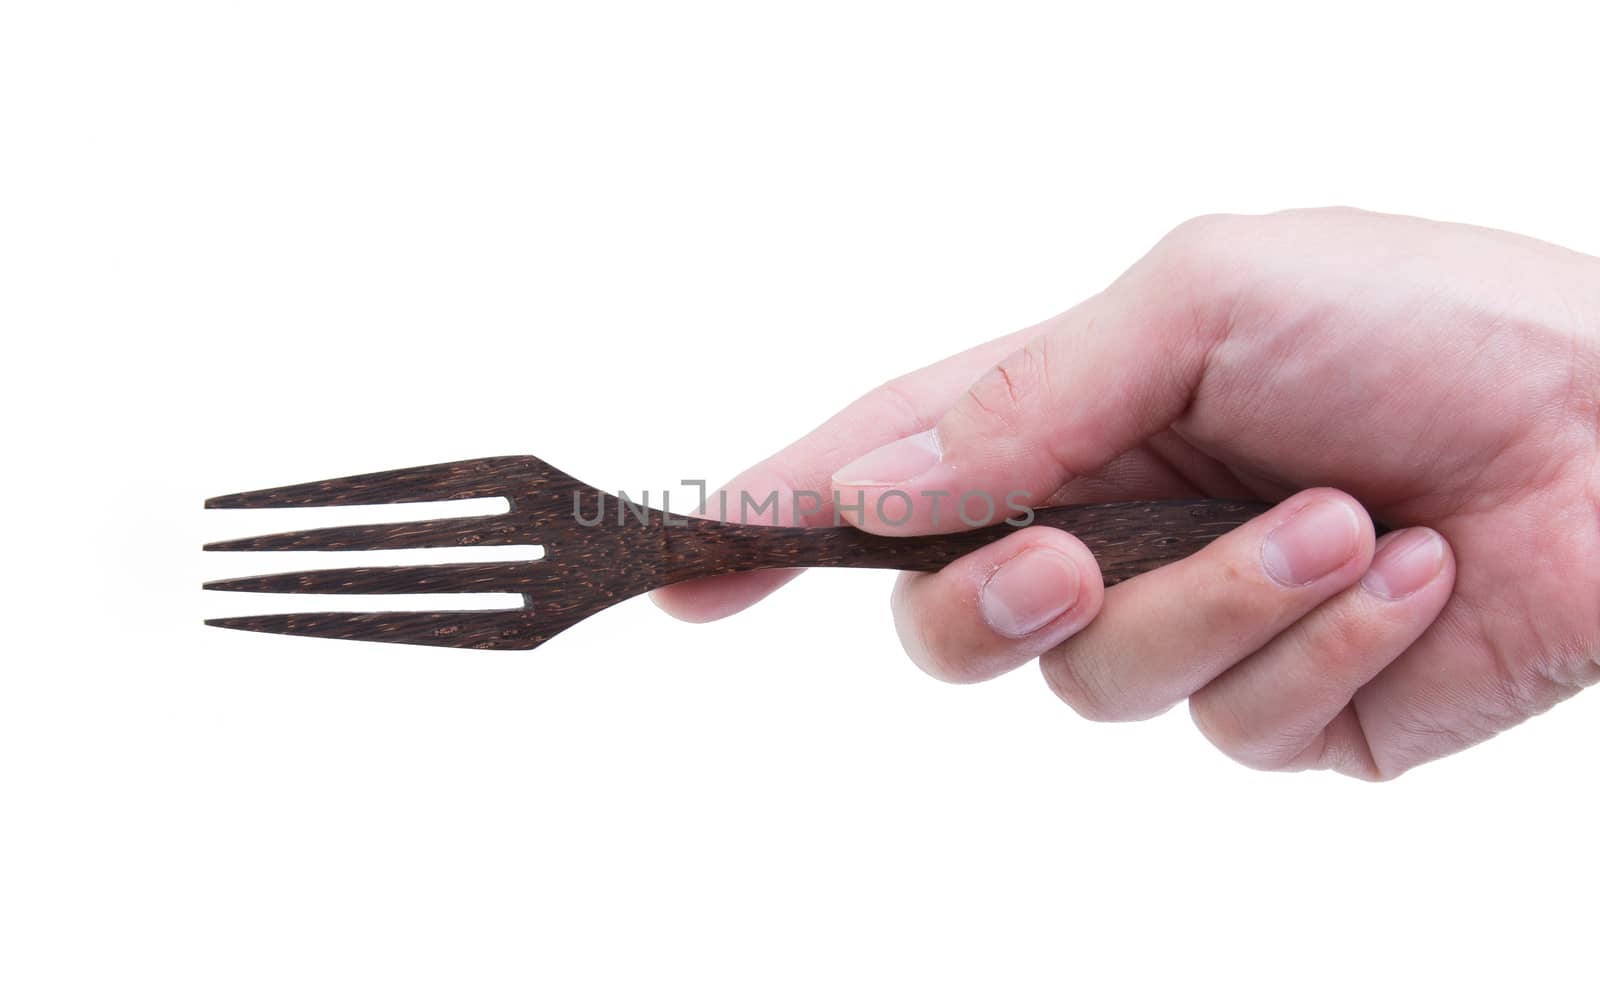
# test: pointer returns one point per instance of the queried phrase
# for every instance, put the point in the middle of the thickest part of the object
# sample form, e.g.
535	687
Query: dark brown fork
633	549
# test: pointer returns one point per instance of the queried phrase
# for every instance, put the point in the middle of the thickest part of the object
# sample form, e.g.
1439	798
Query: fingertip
1317	536
999	607
892	464
713	598
892	510
1406	562
1038	585
877	492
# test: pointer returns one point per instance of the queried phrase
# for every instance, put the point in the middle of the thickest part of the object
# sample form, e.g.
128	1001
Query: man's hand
1447	377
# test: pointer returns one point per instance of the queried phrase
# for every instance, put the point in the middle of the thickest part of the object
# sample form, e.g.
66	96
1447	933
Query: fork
588	567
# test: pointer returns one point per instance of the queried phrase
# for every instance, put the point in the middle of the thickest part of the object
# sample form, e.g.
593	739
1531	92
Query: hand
1447	377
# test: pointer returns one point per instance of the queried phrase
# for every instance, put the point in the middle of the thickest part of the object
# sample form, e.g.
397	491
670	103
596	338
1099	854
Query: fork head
559	589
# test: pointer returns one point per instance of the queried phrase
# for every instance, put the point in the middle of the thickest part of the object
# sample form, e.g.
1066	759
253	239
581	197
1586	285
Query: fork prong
481	477
443	532
441	578
505	629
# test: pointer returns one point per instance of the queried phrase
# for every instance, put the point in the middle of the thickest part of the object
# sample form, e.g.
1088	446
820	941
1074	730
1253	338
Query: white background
250	244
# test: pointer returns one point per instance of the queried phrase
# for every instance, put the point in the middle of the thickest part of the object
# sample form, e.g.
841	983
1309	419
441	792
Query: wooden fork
588	568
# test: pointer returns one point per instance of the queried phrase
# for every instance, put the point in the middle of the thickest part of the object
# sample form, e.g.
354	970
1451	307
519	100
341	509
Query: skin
1446	377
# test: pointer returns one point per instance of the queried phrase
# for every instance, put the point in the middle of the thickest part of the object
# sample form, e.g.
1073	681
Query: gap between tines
223	604
243	522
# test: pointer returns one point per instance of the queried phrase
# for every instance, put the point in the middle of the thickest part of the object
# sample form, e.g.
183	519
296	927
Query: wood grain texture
630	551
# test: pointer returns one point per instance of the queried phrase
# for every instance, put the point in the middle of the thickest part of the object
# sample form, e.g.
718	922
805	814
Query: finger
1086	387
894	409
1162	635
1000	607
1280	707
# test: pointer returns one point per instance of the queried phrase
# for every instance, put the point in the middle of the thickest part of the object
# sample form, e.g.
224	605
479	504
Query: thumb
1093	383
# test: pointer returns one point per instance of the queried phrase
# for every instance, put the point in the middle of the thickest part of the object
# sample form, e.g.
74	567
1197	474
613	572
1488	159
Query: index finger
893	410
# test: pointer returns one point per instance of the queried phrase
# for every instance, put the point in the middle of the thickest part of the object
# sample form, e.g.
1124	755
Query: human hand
1448	377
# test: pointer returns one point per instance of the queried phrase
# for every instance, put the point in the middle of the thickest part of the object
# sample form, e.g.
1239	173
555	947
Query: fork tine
506	629
467	531
441	578
482	477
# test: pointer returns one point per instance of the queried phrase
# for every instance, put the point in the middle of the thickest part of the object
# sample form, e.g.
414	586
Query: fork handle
1127	539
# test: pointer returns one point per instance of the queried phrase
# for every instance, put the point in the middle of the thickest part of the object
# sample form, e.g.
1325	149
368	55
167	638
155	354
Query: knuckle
1220	724
1087	691
1238	594
1198	241
1344	633
1026	372
990	402
896	399
1013	390
1202	268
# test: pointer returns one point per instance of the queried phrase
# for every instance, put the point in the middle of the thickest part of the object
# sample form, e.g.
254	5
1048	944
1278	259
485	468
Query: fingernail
1029	591
895	462
1405	563
1314	542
